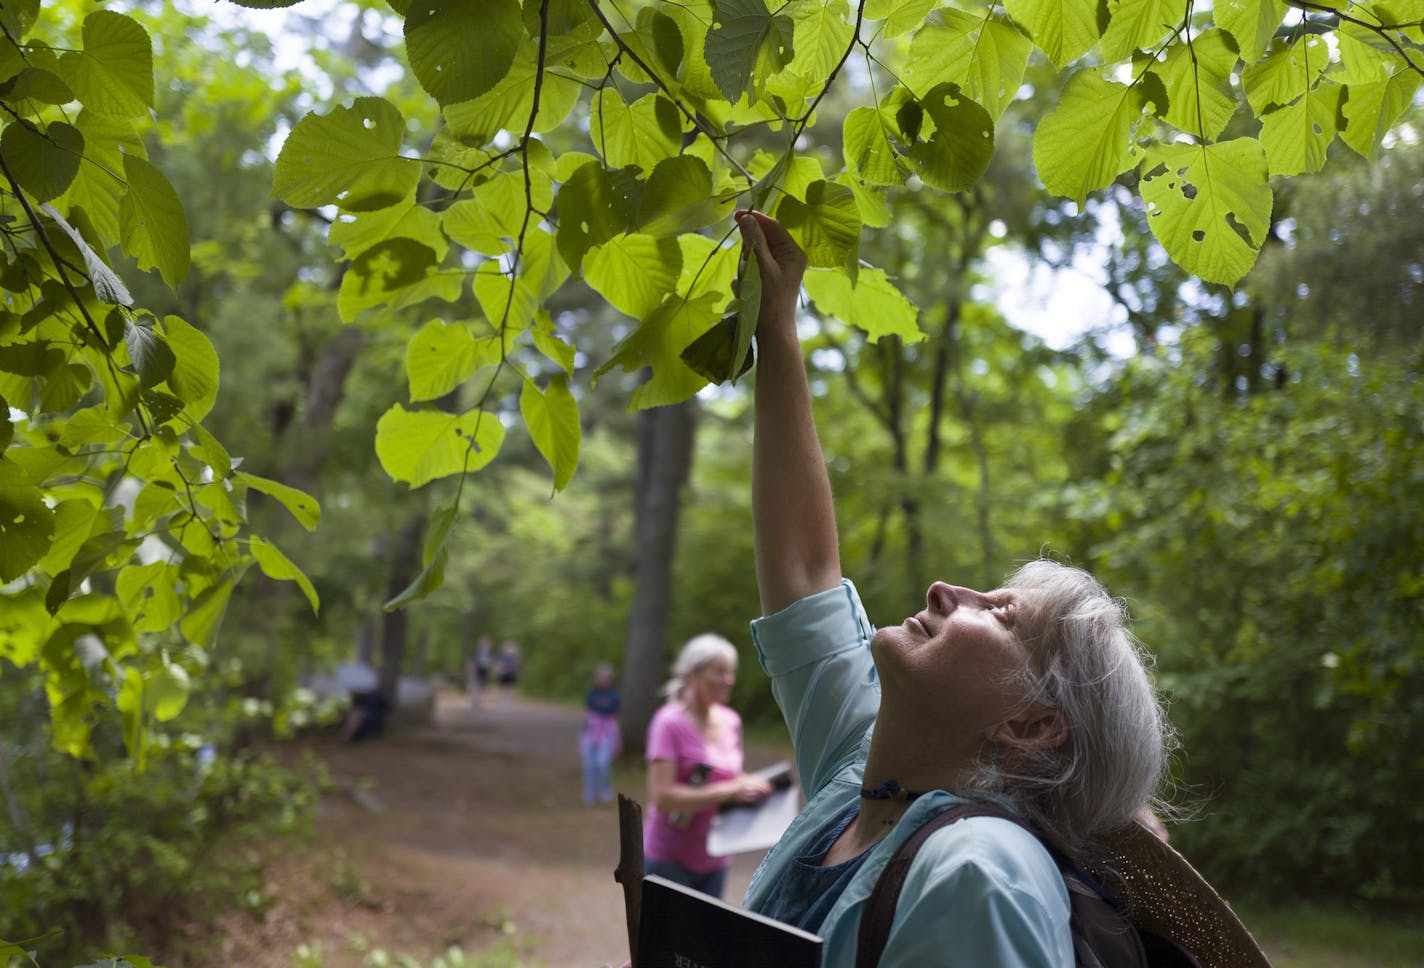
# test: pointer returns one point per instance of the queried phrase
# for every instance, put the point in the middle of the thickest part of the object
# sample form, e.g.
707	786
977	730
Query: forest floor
470	832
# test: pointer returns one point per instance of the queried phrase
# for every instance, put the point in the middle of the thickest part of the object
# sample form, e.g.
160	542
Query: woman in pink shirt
694	766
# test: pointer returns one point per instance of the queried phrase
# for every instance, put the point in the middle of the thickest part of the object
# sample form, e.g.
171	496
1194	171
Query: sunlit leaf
205	614
874	303
152	222
634	272
1296	136
1209	205
459	49
899	15
1251	22
1198	84
300	504
987	55
419	446
278	566
1138	25
553	421
658	343
679	198
594	205
868	148
1086	142
168	691
194	379
113	74
1064	29
436	556
959	150
639	134
349	157
827	224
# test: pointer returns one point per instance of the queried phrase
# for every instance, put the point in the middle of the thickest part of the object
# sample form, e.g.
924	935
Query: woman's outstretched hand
781	262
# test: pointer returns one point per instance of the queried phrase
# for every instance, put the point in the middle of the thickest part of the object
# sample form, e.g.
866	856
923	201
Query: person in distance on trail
694	753
1033	695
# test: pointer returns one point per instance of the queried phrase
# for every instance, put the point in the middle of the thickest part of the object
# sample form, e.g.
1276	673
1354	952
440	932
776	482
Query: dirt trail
468	832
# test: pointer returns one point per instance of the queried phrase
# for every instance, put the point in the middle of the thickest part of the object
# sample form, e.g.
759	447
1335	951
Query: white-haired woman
694	754
1033	695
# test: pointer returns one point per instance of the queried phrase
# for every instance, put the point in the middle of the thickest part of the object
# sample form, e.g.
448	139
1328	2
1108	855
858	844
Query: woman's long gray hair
1088	666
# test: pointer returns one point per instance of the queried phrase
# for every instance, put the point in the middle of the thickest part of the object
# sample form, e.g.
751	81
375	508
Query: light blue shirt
981	893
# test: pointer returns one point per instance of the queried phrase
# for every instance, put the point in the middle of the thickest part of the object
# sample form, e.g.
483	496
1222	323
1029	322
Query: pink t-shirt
672	736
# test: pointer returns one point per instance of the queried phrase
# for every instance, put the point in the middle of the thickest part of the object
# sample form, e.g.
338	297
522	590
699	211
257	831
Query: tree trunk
665	438
405	565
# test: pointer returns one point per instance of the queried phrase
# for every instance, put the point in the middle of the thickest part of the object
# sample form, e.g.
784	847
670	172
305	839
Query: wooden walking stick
629	871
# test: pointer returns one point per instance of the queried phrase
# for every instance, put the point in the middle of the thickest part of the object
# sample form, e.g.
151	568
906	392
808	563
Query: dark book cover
682	928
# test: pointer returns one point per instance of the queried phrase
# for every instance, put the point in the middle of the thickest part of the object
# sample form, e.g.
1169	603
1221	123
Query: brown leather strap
879	913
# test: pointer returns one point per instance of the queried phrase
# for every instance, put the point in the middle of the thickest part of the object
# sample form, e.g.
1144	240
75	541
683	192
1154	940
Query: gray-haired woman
1033	694
694	754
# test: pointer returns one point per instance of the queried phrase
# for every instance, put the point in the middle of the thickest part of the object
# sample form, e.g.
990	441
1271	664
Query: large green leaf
380	273
44	163
873	303
1197	80
827	224
506	106
1063	28
93	198
152	222
987	56
640	134
658	343
746	45
26	528
962	144
349	157
1286	74
113	74
1252	22
1086	142
406	220
1138	25
679	198
510	302
419	446
899	16
870	147
1296	136
441	356
634	272
594	205
278	566
1209	205
553	421
149	594
1376	97
821	34
194	379
204	616
298	503
459	49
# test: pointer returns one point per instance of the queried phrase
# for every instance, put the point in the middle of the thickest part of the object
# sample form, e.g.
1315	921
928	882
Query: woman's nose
944	597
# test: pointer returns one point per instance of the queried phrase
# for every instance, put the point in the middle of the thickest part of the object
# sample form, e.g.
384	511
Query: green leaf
711	355
73	522
1252	22
459	49
194	379
1286	73
1064	29
417	447
1297	136
959	150
1138	25
746	45
827	224
200	625
44	163
168	691
108	287
594	205
899	16
987	55
658	343
207	449
1198	84
1374	103
679	198
553	421
441	356
511	303
151	356
872	303
113	74
95	194
1086	142
437	555
36	84
634	272
279	567
149	594
350	157
771	181
300	504
1209	205
406	220
868	149
820	37
379	274
152	223
507	105
551	345
639	135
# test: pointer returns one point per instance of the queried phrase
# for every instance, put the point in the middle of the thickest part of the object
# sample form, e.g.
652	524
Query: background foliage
489	229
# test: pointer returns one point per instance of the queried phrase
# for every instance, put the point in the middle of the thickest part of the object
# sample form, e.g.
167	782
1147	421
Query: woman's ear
1035	728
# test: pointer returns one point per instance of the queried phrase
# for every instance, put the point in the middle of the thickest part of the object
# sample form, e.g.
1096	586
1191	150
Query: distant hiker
694	757
479	670
601	740
507	666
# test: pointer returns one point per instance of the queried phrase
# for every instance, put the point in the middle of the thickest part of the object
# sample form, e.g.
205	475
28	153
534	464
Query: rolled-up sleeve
817	653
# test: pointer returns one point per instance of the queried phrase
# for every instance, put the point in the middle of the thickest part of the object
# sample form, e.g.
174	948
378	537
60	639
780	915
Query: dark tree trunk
665	438
405	565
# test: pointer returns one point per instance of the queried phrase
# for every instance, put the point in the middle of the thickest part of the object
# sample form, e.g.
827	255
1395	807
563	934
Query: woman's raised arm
792	513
